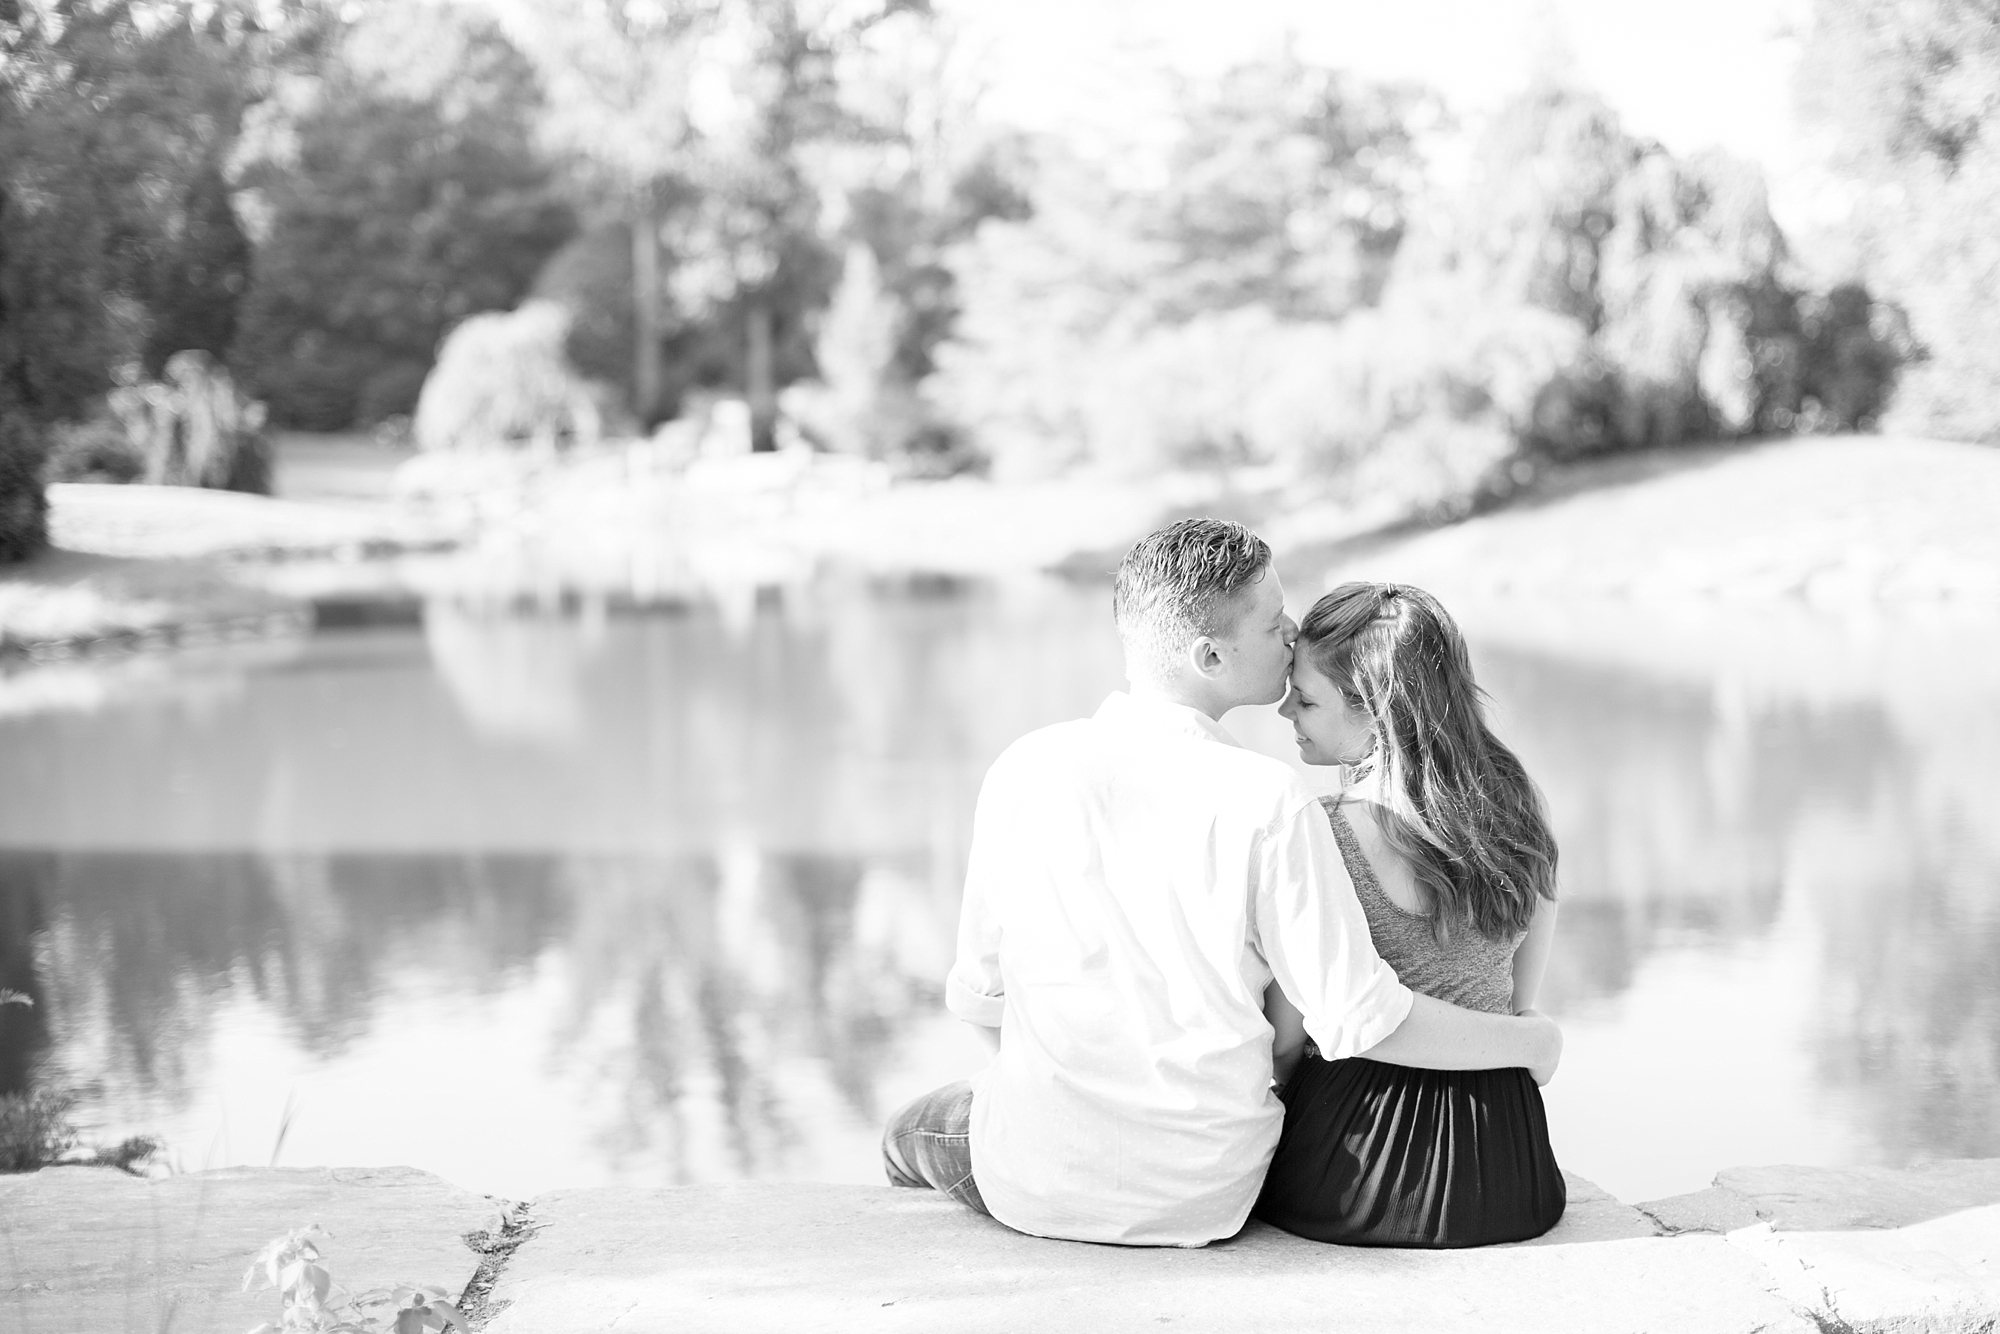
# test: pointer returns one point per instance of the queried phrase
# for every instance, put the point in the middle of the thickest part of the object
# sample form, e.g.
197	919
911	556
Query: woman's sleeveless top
1468	970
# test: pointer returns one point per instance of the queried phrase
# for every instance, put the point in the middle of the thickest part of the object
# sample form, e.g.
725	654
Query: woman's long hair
1463	811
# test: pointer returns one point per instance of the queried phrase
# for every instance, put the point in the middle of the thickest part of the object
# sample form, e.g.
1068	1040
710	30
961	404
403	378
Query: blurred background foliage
1908	93
797	203
397	191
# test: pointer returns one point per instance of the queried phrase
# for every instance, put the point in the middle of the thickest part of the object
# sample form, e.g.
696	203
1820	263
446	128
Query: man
1136	881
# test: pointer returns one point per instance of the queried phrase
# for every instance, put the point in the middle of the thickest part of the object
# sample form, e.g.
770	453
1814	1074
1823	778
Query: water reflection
690	986
1677	809
24	1029
855	719
671	891
1842	833
136	951
514	678
1911	1002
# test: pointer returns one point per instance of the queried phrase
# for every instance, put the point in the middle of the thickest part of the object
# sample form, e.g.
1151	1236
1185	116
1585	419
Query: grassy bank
1841	522
1822	524
134	568
71	604
1833	523
1830	573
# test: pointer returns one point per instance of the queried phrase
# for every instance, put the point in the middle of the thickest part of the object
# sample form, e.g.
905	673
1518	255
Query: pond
533	896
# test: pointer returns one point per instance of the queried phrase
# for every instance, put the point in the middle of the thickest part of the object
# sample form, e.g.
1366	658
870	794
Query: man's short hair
1181	583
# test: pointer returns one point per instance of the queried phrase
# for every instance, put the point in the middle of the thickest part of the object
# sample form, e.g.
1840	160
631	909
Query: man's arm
973	990
1314	936
1441	1036
1288	1033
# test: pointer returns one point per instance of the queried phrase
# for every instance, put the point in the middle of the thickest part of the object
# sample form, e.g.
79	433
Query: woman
1444	837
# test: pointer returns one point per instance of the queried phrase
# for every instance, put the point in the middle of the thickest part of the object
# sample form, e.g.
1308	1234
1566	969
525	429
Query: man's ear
1205	656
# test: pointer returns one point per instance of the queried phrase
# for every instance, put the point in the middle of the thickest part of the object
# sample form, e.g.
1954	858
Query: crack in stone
495	1249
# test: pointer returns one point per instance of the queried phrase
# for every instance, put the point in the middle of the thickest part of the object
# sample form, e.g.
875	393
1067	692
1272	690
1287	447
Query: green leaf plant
314	1304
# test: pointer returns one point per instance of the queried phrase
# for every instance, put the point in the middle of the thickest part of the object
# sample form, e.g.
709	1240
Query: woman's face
1331	726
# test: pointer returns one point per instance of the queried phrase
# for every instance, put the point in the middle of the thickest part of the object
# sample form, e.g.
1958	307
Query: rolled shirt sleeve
1315	939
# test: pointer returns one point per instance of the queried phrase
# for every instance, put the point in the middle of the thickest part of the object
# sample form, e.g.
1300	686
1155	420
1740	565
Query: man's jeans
929	1143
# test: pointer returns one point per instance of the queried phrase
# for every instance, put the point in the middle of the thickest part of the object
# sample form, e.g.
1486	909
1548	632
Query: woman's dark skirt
1383	1155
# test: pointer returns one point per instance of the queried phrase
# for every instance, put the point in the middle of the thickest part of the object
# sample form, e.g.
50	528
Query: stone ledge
1864	1250
759	1256
1778	1249
1940	1276
93	1249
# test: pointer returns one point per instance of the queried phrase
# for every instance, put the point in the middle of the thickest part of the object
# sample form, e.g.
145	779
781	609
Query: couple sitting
1215	994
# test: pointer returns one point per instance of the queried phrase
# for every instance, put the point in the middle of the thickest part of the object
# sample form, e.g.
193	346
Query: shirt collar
1159	715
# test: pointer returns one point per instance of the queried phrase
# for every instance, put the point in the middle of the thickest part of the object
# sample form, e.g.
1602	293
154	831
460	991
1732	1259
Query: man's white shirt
1136	880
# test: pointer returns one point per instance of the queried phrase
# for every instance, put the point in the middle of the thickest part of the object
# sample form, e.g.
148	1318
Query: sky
1692	74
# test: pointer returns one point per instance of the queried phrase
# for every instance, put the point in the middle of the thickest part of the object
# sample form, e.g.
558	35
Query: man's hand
1550	1037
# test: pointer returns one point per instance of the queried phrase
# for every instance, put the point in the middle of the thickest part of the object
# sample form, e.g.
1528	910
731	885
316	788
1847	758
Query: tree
1287	188
1282	200
54	341
199	273
405	194
133	111
1583	291
1907	88
695	118
616	76
1902	81
117	241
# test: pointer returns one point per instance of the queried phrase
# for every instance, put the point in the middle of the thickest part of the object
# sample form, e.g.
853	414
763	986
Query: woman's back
1381	1155
1467	969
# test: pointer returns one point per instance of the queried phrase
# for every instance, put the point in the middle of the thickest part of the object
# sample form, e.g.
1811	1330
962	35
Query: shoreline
1830	526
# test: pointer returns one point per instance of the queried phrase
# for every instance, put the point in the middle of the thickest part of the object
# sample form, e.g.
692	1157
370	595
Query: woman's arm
1532	958
1288	1041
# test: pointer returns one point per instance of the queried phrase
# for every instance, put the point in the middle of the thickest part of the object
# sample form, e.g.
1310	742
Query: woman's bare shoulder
1398	880
1360	810
1381	832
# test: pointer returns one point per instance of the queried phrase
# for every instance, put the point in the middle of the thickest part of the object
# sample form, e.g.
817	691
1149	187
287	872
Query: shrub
96	450
311	1302
504	379
1575	412
1852	347
35	1129
36	1132
24	506
195	429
